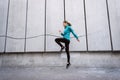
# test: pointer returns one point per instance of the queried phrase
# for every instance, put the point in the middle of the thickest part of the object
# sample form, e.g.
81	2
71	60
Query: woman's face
64	24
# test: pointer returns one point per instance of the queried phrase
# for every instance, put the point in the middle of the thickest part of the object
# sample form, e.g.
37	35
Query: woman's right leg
58	41
67	51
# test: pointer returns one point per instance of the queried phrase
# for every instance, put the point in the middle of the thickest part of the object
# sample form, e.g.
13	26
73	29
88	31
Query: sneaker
62	49
68	65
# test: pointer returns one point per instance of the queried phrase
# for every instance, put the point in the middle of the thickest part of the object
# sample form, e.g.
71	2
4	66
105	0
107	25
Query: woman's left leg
58	41
67	51
68	54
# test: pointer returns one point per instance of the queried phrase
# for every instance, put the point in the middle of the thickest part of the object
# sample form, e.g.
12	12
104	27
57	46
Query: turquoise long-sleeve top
67	31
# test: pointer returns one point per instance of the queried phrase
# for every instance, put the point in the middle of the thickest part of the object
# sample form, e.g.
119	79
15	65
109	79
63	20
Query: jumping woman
66	40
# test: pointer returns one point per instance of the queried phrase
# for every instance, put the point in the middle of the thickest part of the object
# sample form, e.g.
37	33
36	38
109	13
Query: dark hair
69	24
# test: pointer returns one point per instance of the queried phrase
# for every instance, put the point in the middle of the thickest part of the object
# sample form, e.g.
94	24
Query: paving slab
59	73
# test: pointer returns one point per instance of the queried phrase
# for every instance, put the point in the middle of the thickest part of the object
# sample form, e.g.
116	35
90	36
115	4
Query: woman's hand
60	31
78	40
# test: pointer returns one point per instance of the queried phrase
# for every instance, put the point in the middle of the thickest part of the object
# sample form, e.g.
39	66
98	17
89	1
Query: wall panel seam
109	24
84	4
26	25
45	27
5	44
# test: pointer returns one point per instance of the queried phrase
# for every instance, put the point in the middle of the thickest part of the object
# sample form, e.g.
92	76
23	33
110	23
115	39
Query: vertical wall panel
3	16
3	21
54	20
16	25
114	9
75	14
2	44
36	16
97	24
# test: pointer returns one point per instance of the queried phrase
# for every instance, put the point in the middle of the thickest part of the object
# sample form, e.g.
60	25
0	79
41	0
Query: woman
66	40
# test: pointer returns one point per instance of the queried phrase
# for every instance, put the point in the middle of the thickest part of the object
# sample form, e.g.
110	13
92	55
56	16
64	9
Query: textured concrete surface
39	17
82	59
59	73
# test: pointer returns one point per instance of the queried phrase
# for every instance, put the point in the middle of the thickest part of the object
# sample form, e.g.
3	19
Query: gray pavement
59	73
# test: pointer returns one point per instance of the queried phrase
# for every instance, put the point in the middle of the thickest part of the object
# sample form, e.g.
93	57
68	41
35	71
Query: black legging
59	40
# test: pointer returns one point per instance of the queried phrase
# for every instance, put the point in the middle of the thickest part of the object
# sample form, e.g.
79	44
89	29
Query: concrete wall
16	25
35	25
3	21
54	18
114	8
25	24
97	23
94	60
75	14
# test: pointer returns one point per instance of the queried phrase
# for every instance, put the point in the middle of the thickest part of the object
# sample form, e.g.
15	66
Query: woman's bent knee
56	40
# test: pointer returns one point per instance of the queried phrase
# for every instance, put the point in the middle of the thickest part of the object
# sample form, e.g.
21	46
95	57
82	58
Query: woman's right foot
62	49
68	65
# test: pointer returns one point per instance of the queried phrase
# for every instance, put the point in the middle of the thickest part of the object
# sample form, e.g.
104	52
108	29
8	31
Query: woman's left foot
68	65
62	49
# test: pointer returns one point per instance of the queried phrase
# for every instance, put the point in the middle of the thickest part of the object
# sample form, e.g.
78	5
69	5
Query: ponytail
69	24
